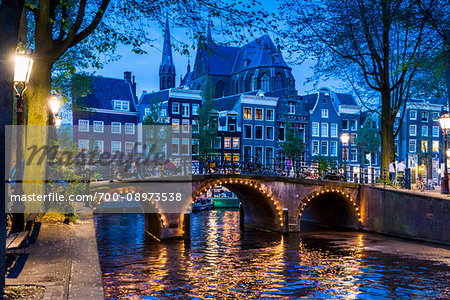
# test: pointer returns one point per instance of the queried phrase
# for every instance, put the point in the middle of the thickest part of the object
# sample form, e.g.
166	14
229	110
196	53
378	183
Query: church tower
167	68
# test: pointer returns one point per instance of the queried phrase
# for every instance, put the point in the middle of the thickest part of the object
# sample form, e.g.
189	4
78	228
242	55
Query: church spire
167	68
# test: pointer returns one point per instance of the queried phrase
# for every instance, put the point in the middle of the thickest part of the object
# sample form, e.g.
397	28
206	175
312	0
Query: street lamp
444	121
55	105
345	137
22	72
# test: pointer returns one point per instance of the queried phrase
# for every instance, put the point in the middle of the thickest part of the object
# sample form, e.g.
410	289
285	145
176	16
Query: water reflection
221	261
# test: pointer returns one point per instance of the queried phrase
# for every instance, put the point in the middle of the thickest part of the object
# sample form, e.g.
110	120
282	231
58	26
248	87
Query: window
265	82
353	139
353	125
424	146
344	124
194	126
278	82
185	109
324	148
175	125
98	146
281	133
424	116
412	130
147	111
333	130
258	114
412	146
175	146
98	126
269	114
247	153
217	141
116	146
236	143
258	152
185	146
185	125
324	129
129	148
324	113
194	109
333	148
121	105
116	127
435	116
315	129
435	131
83	125
247	131
220	89
435	146
247	113
175	107
353	155
291	105
315	147
129	128
252	83
195	147
227	157
258	132
269	155
269	133
227	142
424	130
83	145
231	126
413	115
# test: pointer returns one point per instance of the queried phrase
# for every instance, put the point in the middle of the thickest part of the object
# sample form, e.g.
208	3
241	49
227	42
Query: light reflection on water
221	261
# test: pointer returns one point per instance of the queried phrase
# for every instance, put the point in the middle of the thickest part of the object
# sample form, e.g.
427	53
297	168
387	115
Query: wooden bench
15	240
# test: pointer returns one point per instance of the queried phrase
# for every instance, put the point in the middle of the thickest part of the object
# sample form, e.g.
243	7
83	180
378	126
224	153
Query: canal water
220	261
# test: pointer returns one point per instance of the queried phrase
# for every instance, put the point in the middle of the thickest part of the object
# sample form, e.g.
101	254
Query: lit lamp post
345	137
444	121
22	72
55	105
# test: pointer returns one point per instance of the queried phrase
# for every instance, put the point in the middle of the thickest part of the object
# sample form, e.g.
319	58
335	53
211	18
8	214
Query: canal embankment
63	260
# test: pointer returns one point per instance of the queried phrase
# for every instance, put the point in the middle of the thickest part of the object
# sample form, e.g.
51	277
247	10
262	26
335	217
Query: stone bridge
280	203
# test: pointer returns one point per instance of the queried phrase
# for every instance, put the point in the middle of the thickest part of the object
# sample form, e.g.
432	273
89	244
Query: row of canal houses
255	100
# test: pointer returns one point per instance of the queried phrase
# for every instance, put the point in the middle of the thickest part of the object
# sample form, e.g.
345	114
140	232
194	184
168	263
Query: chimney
127	76
134	86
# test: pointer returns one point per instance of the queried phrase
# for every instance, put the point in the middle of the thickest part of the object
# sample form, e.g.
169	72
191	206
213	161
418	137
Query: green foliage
367	139
293	145
207	121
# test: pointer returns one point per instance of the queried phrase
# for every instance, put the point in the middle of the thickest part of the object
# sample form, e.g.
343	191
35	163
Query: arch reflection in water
223	261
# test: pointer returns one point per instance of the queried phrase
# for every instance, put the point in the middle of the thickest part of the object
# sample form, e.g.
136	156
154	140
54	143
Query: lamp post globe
345	137
444	121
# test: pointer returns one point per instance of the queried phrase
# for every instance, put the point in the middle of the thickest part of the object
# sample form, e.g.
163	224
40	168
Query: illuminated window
227	143
175	125
247	113
236	143
258	114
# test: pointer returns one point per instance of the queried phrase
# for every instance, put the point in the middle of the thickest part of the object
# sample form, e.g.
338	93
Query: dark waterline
223	262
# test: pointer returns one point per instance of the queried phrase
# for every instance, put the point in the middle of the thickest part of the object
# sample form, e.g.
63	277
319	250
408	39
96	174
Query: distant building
105	119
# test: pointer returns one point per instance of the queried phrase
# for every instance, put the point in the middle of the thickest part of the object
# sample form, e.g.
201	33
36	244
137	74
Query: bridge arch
261	207
330	206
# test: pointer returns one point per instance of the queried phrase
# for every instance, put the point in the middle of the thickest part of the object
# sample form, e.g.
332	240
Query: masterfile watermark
84	169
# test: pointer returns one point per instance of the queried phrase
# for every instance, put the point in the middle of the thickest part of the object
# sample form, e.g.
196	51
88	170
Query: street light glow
22	68
55	104
345	137
444	121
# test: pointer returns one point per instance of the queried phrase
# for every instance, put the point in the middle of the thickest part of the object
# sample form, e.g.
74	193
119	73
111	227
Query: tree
367	139
377	46
293	145
207	122
10	12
